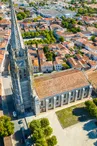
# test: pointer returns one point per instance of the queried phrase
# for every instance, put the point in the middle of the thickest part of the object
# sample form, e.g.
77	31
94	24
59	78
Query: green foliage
0	18
49	56
92	108
52	141
69	23
42	141
67	56
44	122
38	134
95	101
61	39
89	103
66	66
48	37
41	131
27	12
93	38
4	1
87	10
45	49
6	126
48	131
38	144
35	125
21	15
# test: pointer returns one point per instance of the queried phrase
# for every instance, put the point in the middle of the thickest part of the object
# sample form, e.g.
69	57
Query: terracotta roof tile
59	82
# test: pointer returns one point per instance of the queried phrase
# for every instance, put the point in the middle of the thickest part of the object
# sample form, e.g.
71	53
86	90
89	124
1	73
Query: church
43	93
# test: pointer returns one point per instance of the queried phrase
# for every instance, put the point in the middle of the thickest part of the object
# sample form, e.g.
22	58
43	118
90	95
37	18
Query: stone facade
20	68
64	98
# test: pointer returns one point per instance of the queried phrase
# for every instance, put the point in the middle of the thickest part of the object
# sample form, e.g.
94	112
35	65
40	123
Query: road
8	108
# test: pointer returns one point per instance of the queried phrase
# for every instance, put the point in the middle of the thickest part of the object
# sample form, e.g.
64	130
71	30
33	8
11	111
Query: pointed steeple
16	38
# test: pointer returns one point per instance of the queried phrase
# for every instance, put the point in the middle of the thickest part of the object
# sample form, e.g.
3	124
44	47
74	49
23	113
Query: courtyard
80	129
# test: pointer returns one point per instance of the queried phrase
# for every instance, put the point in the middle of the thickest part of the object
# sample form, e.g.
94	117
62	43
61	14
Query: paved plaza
80	134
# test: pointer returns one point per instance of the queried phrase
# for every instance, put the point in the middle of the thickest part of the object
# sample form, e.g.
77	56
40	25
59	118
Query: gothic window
25	75
20	77
57	98
86	92
41	103
64	98
50	100
78	93
20	74
71	93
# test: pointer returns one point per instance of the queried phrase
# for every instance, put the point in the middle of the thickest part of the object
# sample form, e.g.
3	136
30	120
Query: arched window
20	74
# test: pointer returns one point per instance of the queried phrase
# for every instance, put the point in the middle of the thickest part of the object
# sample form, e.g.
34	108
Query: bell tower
20	68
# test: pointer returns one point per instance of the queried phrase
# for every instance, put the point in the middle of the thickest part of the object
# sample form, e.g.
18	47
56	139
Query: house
92	64
47	66
35	65
58	64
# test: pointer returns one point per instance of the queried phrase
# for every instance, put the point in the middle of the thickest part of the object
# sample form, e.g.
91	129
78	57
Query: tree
48	131
66	66
45	49
89	103
95	101
0	18
38	144
44	122
42	141
35	125
61	39
6	126
49	56
93	38
21	15
37	134
52	141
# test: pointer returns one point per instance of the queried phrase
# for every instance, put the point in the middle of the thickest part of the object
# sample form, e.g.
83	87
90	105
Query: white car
14	114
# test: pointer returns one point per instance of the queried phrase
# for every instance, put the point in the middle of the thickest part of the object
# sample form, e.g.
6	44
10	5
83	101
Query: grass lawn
73	115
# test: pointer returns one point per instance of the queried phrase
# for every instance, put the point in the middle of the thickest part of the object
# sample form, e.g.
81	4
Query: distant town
48	72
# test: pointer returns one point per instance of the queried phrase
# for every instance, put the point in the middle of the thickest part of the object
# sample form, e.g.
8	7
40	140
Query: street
8	108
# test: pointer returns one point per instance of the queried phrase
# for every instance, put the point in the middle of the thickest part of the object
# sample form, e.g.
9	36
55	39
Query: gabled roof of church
57	83
16	38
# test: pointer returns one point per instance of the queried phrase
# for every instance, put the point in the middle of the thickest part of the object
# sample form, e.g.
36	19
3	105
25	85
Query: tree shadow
92	134
95	143
90	125
91	128
17	135
82	114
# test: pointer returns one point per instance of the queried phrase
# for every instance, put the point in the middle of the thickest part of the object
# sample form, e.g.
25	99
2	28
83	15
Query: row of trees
47	37
91	106
87	10
69	23
41	133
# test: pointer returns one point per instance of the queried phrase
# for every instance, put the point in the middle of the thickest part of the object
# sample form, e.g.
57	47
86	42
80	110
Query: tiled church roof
59	82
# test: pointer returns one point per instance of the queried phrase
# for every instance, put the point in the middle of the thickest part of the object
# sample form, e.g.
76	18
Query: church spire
16	38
